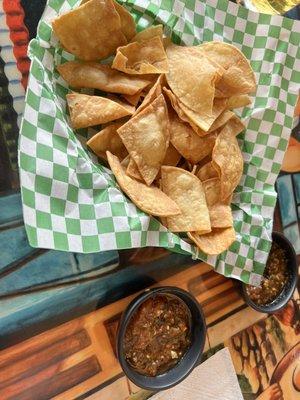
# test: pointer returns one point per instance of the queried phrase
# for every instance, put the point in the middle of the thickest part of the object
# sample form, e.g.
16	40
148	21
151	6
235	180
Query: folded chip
219	211
99	76
133	99
133	171
149	199
238	77
153	93
145	57
146	137
88	110
187	191
188	143
227	158
149	33
108	140
192	78
207	171
238	101
91	31
214	242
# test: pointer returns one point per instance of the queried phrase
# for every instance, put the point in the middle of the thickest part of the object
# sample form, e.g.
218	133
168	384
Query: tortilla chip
228	158
88	110
190	145
132	99
108	140
172	156
149	33
238	77
146	137
187	191
207	171
149	199
192	79
133	171
219	212
125	162
224	117
240	100
146	57
91	31
215	242
127	22
99	76
153	93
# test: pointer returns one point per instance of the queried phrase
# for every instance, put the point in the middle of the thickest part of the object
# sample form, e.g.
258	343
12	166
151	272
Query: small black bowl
287	292
191	358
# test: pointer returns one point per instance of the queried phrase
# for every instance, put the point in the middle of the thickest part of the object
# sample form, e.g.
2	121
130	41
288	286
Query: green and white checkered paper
73	203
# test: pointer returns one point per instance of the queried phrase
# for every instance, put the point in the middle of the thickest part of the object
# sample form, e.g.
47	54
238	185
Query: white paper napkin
215	379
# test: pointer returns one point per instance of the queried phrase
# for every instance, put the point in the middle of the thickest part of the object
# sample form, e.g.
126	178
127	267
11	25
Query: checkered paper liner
72	203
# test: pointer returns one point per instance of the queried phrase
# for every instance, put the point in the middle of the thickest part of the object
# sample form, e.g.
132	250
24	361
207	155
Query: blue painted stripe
6	46
3	30
14	81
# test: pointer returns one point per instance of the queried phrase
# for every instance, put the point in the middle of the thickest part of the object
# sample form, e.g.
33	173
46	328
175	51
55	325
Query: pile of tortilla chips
170	132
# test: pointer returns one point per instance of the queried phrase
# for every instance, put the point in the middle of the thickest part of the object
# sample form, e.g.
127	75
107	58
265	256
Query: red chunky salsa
274	279
158	335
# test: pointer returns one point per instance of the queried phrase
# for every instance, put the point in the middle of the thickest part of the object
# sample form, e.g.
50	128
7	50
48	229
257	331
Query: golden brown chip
146	57
224	117
190	145
99	76
207	171
172	156
238	77
108	139
240	100
127	21
91	31
195	90
215	242
149	199
88	110
219	211
149	33
146	137
132	99
228	158
187	191
153	93
133	171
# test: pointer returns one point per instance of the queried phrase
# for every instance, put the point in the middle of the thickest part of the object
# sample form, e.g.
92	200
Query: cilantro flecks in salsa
158	335
274	279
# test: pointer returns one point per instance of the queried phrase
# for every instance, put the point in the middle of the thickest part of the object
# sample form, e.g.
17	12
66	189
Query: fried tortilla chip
91	31
190	145
172	156
132	99
238	77
108	140
228	158
88	110
133	171
127	21
240	100
153	93
146	137
145	57
99	76
187	191
221	120
149	199
207	171
215	242
219	211
149	33
195	90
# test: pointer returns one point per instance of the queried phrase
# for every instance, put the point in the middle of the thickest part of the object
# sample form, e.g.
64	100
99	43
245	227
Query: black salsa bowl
188	361
287	292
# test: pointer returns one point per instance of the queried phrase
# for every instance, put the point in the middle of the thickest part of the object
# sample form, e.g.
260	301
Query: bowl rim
271	307
125	318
